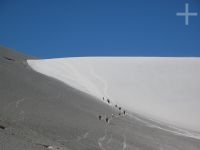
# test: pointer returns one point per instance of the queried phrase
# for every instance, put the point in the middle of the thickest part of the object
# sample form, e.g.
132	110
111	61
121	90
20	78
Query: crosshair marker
186	14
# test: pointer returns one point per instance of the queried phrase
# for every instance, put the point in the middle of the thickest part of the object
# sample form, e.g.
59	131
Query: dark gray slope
37	111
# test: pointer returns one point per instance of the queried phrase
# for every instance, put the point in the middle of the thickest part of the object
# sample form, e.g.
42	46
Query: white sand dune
165	89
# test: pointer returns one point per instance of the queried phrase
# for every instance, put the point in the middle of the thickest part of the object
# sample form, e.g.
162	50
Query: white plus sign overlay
186	14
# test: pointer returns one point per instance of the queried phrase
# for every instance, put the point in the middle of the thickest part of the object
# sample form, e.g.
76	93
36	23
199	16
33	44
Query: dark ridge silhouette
8	53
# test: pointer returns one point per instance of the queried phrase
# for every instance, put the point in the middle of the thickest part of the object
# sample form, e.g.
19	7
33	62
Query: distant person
100	117
116	106
103	99
107	120
124	112
108	101
120	108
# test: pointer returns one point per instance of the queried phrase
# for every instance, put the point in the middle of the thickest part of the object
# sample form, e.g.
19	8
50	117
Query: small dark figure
107	119
119	114
8	58
100	117
124	112
2	127
116	106
108	101
120	108
103	98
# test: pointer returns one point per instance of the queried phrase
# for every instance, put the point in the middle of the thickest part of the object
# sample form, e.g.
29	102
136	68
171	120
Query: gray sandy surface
39	113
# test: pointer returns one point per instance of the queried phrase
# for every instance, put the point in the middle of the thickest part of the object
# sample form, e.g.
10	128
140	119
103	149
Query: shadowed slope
43	104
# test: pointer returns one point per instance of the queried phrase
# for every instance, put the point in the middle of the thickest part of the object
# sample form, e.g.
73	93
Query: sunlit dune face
165	89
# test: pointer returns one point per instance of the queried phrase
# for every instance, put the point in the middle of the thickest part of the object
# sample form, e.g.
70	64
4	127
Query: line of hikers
107	119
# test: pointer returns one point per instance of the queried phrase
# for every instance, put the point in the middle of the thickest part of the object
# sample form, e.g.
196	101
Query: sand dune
41	113
165	89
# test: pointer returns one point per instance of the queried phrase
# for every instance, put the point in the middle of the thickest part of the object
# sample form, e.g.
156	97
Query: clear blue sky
65	28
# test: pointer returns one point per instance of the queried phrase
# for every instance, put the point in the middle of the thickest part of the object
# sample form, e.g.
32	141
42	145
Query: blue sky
68	28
